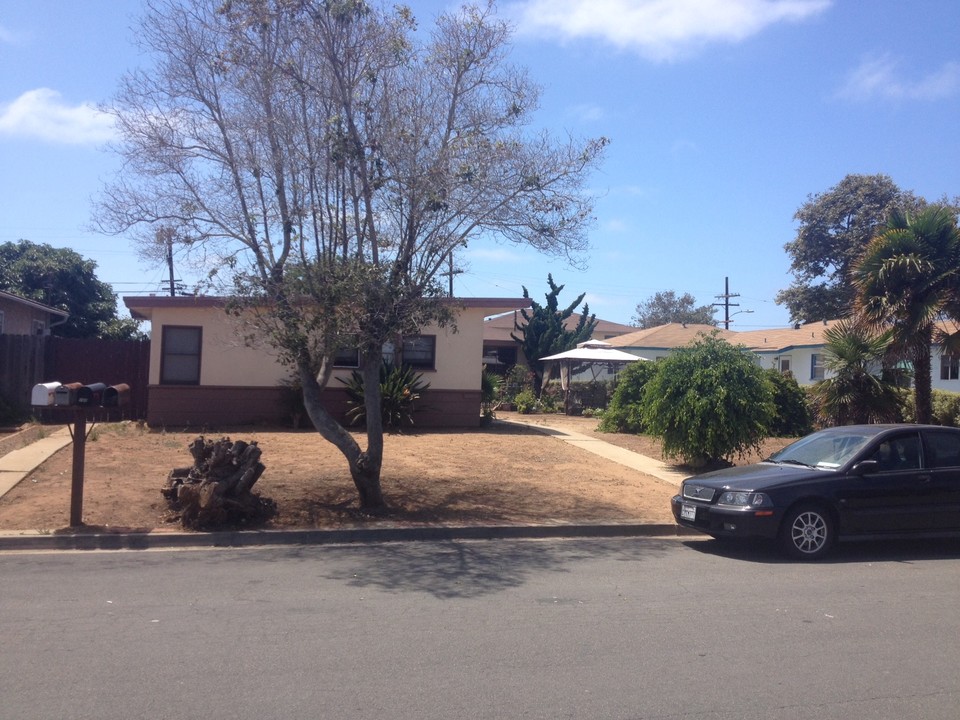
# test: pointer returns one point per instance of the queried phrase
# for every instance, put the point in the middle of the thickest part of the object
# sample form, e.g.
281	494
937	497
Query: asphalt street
582	628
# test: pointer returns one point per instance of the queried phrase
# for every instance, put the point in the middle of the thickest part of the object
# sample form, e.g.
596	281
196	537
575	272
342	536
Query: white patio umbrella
591	352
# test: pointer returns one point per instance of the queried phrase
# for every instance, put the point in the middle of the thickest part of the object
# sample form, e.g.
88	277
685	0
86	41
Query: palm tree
854	392
908	279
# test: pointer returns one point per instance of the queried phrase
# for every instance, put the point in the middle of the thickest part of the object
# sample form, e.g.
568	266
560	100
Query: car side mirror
865	466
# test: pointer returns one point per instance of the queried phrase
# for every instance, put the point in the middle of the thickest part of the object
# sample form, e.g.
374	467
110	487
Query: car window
901	452
942	449
826	450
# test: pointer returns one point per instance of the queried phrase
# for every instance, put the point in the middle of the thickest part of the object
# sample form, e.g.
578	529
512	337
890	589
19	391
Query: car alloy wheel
807	532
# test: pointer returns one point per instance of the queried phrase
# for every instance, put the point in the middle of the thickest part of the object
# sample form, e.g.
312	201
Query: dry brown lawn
501	475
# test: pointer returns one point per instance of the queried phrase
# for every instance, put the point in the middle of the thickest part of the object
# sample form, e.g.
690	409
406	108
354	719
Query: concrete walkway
17	464
592	444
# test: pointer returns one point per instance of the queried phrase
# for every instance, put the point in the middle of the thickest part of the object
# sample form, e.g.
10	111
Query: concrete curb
80	540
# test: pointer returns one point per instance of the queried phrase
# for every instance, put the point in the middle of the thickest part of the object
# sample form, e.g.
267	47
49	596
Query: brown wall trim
179	406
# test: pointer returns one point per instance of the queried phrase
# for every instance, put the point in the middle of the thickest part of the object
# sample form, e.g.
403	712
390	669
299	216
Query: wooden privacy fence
27	360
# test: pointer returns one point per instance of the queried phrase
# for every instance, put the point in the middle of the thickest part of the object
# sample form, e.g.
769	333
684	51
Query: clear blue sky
724	116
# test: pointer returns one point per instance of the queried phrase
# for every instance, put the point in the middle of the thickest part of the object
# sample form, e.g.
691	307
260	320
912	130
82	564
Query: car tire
807	532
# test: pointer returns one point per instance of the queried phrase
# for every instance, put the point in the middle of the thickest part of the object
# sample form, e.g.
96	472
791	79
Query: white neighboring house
798	349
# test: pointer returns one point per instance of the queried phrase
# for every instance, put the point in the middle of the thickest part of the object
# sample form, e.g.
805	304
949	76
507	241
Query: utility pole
451	271
726	304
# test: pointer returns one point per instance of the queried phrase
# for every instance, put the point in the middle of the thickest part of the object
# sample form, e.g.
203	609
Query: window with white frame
38	327
949	367
783	363
816	366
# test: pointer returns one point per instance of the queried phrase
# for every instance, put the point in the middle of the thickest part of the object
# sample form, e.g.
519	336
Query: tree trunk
364	465
922	380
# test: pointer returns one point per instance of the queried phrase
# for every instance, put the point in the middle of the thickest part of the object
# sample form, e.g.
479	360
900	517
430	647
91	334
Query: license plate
688	512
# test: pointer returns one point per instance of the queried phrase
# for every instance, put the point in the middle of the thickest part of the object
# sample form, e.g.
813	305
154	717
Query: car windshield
827	450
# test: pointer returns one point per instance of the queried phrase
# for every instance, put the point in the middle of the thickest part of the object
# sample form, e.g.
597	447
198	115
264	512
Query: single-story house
500	351
20	316
202	373
798	350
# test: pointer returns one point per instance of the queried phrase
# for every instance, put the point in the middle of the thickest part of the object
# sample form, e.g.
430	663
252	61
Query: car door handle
923	478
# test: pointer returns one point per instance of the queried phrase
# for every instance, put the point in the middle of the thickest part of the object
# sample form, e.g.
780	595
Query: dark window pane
180	350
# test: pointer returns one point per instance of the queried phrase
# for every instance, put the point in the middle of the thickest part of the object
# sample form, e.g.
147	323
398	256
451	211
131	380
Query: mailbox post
79	397
79	457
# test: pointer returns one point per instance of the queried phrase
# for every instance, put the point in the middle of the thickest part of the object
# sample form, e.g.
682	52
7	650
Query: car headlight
736	498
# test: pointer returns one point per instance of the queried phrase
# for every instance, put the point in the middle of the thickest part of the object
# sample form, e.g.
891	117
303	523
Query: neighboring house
798	350
202	373
20	316
500	351
658	342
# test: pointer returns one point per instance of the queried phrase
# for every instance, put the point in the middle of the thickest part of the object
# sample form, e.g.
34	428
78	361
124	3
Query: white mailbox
43	393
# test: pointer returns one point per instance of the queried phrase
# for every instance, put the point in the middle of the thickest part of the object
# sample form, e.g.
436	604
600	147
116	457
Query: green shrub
946	408
625	411
517	379
489	390
400	388
525	401
551	398
792	415
708	401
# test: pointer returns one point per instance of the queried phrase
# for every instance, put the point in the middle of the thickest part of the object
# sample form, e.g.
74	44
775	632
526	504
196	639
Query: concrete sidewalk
17	464
635	461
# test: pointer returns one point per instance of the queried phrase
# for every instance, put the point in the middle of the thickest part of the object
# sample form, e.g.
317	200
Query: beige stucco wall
227	361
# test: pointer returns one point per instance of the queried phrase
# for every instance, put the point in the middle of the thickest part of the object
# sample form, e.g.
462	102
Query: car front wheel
807	532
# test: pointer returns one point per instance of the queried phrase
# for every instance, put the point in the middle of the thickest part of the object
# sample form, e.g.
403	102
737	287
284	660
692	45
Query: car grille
698	492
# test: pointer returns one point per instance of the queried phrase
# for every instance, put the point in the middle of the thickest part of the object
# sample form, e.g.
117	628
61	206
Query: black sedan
844	482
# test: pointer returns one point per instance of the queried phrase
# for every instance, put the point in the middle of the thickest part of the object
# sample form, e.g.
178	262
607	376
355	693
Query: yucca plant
400	388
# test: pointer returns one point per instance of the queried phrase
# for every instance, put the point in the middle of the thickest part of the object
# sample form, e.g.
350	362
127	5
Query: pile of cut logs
216	491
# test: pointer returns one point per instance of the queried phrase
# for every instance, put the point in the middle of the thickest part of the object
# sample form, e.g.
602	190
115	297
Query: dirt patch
503	474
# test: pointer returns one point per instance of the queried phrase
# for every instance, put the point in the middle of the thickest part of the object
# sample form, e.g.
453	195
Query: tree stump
216	491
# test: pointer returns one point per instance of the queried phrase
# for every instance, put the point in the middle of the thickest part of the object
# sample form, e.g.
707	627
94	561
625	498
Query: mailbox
116	395
66	394
43	394
91	394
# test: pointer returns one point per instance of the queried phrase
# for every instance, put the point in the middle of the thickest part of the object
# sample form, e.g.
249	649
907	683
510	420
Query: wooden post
79	452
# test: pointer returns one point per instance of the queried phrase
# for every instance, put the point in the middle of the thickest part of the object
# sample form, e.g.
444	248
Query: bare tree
330	159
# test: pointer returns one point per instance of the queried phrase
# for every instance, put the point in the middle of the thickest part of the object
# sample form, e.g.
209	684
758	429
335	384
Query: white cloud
660	30
42	114
880	77
587	113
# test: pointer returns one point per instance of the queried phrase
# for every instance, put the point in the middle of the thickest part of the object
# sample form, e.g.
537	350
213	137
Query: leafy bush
551	399
792	414
625	411
400	388
517	379
708	401
946	408
525	401
489	389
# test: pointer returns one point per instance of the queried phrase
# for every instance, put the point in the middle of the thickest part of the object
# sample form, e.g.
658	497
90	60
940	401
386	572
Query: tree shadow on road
468	569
